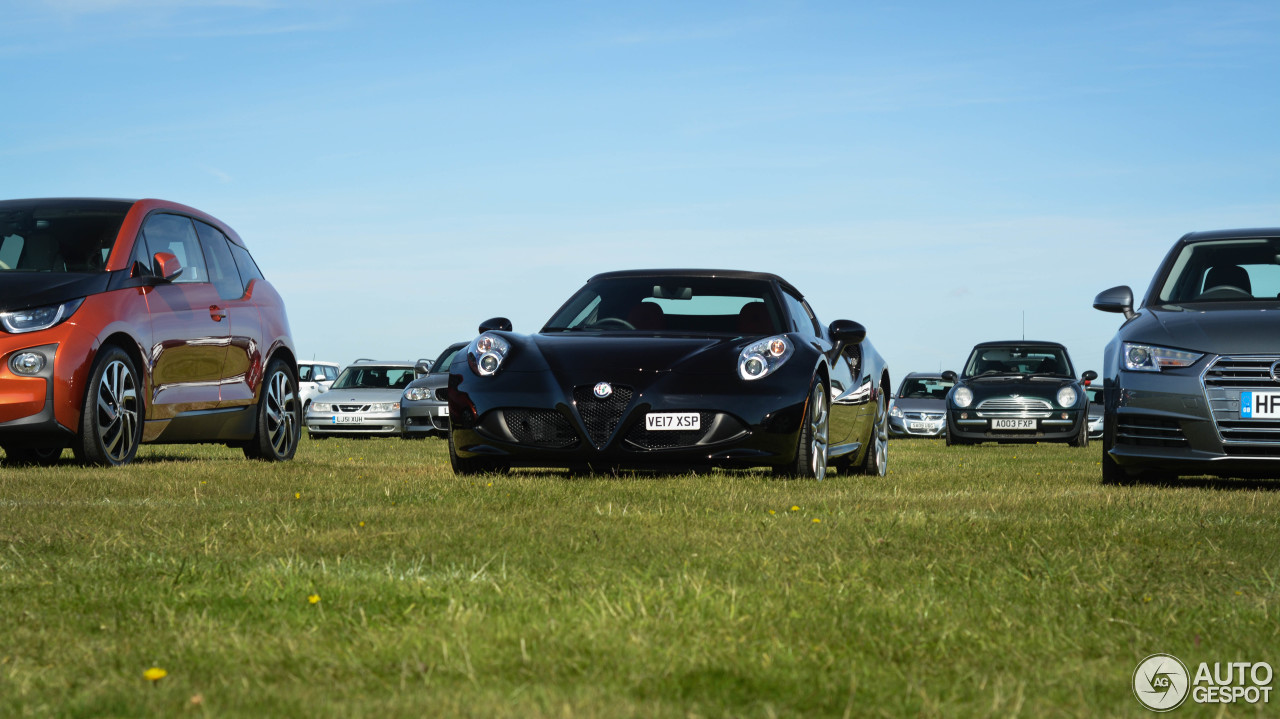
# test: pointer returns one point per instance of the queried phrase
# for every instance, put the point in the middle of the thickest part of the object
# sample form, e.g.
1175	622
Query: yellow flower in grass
794	508
772	512
314	599
297	495
817	521
362	524
154	674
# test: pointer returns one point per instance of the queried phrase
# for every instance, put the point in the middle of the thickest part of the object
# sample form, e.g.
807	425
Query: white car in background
315	378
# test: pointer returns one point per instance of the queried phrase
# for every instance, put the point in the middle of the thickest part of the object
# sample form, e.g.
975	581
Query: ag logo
1161	682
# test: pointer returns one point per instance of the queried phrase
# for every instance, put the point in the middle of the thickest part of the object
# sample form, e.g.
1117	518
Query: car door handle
217	313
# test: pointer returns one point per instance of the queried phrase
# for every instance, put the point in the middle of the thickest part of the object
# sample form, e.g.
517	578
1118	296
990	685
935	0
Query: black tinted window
222	268
802	320
244	262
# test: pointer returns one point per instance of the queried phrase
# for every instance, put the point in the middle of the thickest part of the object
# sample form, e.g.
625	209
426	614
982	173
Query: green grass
972	581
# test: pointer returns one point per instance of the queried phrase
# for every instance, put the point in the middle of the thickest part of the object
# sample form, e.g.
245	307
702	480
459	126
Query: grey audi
1191	380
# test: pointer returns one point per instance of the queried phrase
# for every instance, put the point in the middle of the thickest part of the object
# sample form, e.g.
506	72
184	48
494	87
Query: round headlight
963	397
488	363
28	363
754	366
777	347
1067	397
1139	356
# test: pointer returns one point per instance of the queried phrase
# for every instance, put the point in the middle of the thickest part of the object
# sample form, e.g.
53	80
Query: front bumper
1188	422
27	401
534	419
933	424
353	424
977	426
424	417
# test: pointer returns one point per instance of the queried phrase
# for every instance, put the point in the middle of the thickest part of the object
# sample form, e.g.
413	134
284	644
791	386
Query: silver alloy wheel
818	432
281	413
117	413
881	446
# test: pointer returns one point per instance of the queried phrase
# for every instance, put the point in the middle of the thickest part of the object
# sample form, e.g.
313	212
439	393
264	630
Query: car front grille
351	407
1224	380
1013	404
644	438
1149	431
601	416
924	416
541	428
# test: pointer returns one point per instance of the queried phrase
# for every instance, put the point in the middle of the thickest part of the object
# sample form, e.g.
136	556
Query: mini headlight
1067	397
895	412
1149	358
38	318
962	397
487	353
760	358
28	363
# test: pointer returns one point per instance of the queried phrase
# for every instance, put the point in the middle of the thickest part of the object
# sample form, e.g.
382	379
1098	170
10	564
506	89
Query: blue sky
404	170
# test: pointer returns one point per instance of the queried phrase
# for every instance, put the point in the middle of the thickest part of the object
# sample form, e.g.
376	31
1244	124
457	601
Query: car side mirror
847	332
1117	299
502	324
1089	376
166	266
950	376
423	367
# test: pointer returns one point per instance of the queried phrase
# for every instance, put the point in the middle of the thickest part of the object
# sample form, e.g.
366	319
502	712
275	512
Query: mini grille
670	439
1014	403
1252	371
1148	431
352	407
540	427
601	416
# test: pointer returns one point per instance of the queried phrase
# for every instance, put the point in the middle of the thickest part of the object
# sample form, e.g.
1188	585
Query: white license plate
347	419
657	421
920	425
444	411
1013	424
1259	405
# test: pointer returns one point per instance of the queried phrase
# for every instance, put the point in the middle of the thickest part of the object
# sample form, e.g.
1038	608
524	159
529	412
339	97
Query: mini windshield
374	378
1224	271
44	237
695	305
1018	360
924	388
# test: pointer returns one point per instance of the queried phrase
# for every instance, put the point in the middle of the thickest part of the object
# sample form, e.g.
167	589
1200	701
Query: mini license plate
657	421
1259	405
347	419
1013	424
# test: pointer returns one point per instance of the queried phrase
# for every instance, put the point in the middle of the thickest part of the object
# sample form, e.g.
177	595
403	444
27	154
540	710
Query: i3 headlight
1067	397
1150	358
487	353
38	318
962	397
758	359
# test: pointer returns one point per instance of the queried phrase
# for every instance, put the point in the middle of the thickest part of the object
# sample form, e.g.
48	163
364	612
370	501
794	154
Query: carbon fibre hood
21	290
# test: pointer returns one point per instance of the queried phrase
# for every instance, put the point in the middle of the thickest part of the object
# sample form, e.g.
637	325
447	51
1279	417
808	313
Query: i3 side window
125	322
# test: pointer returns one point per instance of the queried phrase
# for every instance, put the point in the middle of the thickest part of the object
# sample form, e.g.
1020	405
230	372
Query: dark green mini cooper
1018	391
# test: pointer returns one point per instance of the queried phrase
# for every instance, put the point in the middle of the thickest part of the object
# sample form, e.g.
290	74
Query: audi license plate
1013	424
347	419
1259	405
655	421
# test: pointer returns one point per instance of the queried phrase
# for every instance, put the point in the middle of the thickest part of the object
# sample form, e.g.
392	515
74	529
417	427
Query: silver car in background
919	408
425	404
1094	392
363	402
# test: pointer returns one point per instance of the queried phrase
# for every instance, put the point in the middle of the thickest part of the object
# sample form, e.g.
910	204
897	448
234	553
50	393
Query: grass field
364	579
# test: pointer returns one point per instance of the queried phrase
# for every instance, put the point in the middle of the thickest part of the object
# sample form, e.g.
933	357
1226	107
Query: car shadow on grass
1220	483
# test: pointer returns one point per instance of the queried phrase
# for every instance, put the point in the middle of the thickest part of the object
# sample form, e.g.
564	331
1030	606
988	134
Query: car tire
468	466
111	414
279	421
815	433
41	456
1082	437
876	460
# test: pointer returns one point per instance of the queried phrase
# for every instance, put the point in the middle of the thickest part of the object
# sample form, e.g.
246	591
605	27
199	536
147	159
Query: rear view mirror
1117	299
1089	376
502	324
166	266
950	376
847	332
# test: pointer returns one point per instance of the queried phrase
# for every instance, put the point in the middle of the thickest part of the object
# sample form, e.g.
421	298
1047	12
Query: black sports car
1018	391
672	369
1192	378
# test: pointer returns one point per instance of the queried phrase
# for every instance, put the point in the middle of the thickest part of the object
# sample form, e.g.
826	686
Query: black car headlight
760	358
487	353
38	318
1150	358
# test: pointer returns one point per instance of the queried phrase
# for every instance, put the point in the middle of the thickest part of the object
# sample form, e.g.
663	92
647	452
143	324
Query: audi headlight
487	353
1149	358
417	394
760	358
895	412
1067	397
38	318
962	397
